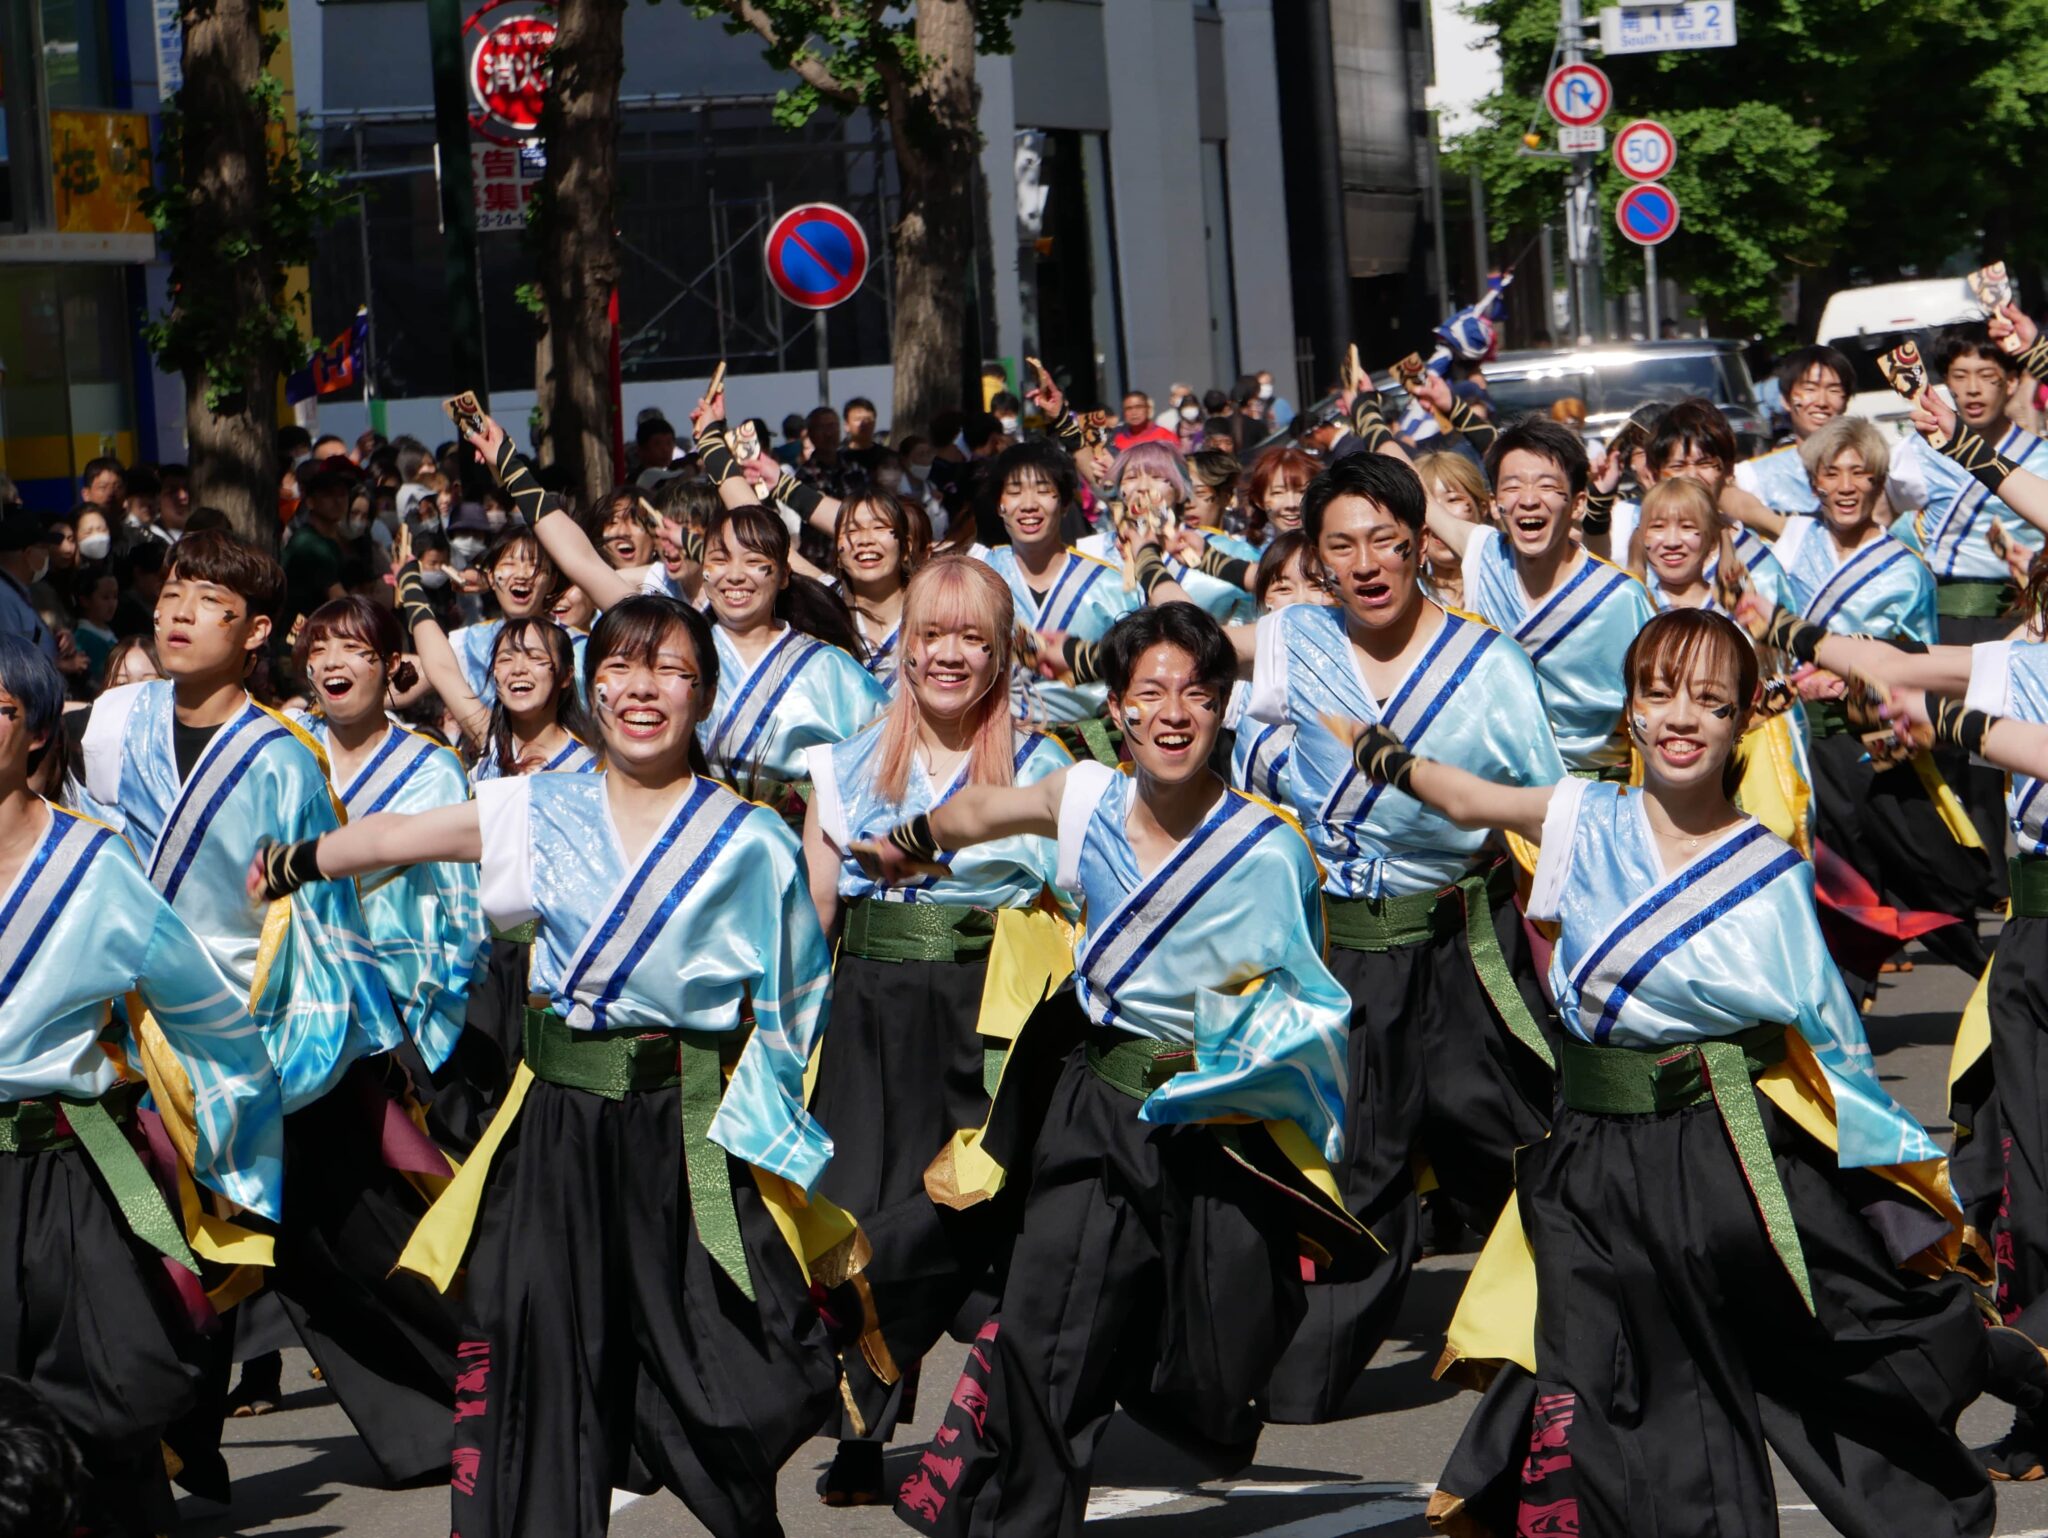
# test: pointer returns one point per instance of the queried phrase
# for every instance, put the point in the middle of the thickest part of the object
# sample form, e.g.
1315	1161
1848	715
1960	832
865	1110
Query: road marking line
621	1499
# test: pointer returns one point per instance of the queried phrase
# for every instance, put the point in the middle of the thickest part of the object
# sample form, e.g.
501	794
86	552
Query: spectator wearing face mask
1279	410
1009	412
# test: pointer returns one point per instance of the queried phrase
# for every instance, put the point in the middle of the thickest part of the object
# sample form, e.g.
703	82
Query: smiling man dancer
1152	1268
1573	613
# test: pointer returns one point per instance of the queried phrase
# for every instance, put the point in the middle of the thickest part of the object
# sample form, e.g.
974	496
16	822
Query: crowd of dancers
1116	940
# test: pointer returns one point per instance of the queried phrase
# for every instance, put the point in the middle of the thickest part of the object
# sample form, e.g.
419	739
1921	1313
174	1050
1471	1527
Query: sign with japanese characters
504	178
1664	28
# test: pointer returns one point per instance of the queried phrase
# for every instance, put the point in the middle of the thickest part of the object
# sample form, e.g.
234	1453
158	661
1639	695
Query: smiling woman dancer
630	1301
1720	1221
917	1023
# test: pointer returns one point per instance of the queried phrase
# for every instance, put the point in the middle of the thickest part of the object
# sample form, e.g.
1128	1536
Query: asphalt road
300	1473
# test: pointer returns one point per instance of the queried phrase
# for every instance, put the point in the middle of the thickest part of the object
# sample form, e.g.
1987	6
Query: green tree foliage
1838	140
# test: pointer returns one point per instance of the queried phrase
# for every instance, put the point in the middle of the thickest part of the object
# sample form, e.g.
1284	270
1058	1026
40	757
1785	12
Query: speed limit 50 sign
1644	150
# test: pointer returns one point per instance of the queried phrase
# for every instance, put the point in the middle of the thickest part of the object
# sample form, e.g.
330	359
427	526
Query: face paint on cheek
1133	718
1639	728
1721	712
1402	551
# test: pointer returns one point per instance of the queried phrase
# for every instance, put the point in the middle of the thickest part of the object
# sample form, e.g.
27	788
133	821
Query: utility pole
463	321
1581	213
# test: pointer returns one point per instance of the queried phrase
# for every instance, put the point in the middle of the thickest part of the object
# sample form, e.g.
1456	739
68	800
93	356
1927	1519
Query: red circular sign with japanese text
508	75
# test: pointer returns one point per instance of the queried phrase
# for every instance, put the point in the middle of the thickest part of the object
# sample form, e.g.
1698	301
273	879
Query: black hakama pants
1436	1076
605	1347
1887	827
464	1093
1674	1352
1145	1274
89	1319
900	1072
2001	1170
384	1339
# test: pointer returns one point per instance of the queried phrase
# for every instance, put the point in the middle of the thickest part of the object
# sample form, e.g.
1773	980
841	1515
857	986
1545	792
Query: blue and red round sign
817	255
1647	213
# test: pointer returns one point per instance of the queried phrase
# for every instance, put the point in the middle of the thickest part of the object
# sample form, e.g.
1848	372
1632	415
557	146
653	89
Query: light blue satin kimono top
1779	481
1647	957
323	1002
714	915
800	693
1471	700
1880	589
425	921
572	757
1220	947
1085	598
1576	637
1003	873
1951	511
81	926
2010	678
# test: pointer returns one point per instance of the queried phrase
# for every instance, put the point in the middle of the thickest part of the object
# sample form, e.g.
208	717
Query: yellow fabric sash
826	1240
1973	1034
1772	790
1032	955
1496	1317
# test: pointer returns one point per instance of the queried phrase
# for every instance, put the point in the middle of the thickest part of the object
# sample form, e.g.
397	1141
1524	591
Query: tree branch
813	70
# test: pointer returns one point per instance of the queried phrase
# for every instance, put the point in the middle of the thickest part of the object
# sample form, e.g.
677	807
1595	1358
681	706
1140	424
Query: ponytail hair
953	592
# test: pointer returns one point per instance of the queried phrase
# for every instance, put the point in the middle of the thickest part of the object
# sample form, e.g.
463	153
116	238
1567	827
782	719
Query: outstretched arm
376	842
974	814
2020	747
1463	797
1944	669
560	535
1747	508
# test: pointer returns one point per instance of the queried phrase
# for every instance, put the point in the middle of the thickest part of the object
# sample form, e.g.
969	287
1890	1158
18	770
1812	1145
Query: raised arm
2021	490
1448	526
376	842
438	662
1464	798
560	535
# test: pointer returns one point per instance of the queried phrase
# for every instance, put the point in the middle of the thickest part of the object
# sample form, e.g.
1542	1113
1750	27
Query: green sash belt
1642	1081
33	1126
913	931
1826	718
1972	597
1090	737
616	1064
1614	774
2029	886
518	934
1377	924
1137	1065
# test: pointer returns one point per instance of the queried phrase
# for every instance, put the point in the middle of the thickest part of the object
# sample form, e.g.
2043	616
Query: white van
1865	323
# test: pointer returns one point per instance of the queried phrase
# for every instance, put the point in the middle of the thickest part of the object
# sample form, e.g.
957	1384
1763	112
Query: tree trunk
579	260
932	126
226	166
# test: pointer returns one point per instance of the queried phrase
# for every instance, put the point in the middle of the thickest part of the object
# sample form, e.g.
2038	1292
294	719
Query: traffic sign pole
1582	231
1650	291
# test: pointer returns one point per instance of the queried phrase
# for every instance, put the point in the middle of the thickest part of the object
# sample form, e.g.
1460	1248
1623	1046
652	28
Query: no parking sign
816	255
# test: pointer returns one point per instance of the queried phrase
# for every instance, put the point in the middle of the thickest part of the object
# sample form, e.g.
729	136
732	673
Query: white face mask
94	547
1265	392
43	570
495	517
1191	413
434	576
354	526
1009	425
468	546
